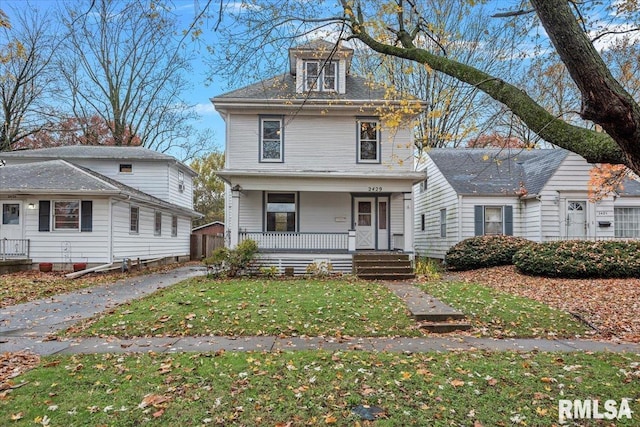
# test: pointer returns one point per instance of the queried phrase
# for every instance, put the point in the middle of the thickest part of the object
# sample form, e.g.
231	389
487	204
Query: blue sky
200	93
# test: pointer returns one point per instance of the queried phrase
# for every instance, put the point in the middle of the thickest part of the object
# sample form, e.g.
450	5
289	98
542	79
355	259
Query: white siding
182	198
151	177
571	183
317	142
531	220
438	195
145	244
61	246
325	212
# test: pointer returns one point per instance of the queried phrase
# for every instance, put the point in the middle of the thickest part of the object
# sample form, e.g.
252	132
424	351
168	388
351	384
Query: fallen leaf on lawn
548	380
16	417
155	400
330	419
456	383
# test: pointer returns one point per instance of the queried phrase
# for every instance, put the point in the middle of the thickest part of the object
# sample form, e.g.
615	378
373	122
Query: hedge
580	259
484	251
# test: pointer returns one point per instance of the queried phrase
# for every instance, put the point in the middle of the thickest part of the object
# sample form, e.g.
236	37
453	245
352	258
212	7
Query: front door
577	219
11	225
365	220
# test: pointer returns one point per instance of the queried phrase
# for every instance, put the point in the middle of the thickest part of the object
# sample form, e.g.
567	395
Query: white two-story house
95	205
313	172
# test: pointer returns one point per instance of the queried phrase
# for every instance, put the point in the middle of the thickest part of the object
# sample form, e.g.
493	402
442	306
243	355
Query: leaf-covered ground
611	305
25	286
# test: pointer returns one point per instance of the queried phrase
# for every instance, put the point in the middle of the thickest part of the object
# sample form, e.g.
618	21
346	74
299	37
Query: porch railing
292	241
14	248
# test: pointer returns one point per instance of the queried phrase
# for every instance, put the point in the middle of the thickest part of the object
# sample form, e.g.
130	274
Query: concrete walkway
29	327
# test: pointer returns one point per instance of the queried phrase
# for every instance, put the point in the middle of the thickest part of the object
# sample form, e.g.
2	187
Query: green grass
261	307
500	314
316	388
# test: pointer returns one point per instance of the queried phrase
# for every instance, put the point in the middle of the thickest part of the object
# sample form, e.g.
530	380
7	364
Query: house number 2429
375	189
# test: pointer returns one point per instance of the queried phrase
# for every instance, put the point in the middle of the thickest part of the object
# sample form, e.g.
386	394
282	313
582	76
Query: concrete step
445	327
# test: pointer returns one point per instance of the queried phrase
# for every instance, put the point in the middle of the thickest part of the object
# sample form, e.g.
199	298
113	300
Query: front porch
310	242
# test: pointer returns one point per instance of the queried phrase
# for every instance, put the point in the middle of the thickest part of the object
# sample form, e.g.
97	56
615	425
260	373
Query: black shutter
86	220
508	220
478	213
44	215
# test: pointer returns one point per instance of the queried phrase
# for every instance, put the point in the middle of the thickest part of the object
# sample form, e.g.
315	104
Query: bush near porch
484	251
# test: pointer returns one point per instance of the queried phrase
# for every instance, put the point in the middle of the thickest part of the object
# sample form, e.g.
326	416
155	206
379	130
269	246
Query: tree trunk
604	100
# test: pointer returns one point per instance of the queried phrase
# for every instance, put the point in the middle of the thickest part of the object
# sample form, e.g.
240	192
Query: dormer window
321	76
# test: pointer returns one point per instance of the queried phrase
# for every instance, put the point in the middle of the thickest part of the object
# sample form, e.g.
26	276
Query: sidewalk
29	326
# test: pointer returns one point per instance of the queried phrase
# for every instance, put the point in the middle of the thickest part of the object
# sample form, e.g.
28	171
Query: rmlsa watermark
593	409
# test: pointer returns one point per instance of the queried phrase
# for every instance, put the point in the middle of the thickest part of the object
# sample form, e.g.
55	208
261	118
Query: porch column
234	221
408	222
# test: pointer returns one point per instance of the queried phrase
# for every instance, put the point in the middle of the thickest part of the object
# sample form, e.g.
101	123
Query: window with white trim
134	219
66	215
157	228
271	139
174	226
180	181
493	220
626	222
126	168
368	141
443	222
281	211
321	76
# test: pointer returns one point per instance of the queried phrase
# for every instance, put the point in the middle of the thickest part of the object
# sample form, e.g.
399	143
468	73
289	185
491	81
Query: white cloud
204	109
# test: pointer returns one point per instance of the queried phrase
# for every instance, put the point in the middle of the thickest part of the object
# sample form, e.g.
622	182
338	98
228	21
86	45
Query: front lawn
203	306
317	388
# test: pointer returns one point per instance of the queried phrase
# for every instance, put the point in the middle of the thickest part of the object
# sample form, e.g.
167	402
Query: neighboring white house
311	171
95	204
541	195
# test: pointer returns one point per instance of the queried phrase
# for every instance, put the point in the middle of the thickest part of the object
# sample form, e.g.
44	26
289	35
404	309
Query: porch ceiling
316	180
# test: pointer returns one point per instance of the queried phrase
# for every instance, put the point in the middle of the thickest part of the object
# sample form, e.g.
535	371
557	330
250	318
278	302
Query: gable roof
93	152
211	224
630	187
488	172
63	177
282	89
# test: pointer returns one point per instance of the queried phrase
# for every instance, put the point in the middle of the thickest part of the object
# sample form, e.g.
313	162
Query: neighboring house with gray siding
541	195
96	204
311	171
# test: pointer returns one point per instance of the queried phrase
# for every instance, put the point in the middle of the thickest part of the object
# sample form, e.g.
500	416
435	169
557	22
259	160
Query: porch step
383	266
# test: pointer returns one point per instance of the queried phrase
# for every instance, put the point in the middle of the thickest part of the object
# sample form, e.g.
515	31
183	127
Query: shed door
11	225
365	220
577	219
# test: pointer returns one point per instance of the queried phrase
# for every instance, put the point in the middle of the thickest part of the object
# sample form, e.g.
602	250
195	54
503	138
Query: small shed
215	228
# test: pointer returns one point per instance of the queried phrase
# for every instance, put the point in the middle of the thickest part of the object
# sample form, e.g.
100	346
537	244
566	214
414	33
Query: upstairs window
181	181
368	141
271	140
321	76
126	168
